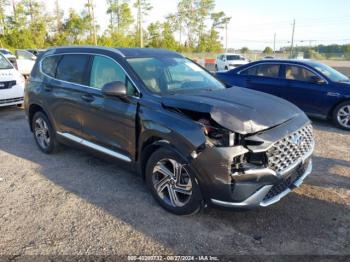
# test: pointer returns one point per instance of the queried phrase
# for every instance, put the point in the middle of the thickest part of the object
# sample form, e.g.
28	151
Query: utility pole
139	11
292	43
92	15
274	43
226	37
14	10
58	17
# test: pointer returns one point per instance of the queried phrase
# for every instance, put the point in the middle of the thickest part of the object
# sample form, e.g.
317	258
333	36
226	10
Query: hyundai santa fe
194	141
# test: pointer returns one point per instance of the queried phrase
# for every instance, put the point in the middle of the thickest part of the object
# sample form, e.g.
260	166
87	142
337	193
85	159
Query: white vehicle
228	61
11	84
11	57
25	61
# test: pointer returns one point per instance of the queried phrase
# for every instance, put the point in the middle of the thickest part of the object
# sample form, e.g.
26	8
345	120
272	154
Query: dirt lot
75	203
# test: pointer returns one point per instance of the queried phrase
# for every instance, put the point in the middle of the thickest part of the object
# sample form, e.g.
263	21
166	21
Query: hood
238	109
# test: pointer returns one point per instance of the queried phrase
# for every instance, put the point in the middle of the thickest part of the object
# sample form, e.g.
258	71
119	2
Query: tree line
193	27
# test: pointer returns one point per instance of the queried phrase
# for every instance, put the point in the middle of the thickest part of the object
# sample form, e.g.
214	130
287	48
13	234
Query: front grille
287	151
11	100
286	182
7	84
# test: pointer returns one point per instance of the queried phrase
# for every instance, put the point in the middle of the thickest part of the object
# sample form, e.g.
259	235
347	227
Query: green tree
120	16
244	50
268	50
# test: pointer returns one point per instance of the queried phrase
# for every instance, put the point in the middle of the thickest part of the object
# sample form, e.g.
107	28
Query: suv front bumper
259	198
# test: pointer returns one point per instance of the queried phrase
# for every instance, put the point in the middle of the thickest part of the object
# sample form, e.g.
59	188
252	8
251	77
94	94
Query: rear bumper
258	199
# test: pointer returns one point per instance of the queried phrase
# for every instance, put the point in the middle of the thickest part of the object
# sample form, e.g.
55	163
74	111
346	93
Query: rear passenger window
265	70
49	65
72	68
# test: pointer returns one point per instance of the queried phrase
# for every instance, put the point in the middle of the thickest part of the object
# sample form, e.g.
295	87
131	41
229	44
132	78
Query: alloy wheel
172	182
343	116
41	131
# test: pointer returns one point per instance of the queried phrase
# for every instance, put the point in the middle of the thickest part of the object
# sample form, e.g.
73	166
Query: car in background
36	52
316	88
25	61
11	57
228	61
11	84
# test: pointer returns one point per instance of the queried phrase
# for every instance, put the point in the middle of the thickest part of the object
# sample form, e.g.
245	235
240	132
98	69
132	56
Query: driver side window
299	73
104	70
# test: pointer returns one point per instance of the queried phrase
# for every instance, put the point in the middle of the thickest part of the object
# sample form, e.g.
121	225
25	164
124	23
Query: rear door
265	78
64	86
304	92
109	123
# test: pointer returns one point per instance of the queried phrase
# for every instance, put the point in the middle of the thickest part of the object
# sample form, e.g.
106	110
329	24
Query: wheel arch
152	144
331	111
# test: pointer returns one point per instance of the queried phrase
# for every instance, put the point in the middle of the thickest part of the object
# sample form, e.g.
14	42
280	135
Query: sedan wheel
172	182
343	116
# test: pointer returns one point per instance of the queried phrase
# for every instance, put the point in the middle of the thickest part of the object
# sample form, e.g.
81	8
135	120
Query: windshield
234	57
5	52
4	64
173	75
329	72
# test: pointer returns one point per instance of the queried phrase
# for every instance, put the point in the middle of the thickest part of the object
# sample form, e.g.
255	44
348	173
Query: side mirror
317	80
116	89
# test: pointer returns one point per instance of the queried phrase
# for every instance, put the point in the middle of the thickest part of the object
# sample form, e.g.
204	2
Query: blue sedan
317	89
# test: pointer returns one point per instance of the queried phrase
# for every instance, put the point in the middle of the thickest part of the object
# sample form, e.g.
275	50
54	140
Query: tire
341	115
180	194
44	133
216	68
226	68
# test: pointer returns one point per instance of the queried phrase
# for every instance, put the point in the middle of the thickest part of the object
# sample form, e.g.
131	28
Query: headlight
219	137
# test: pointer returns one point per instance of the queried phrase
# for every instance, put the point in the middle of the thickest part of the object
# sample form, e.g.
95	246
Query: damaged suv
194	141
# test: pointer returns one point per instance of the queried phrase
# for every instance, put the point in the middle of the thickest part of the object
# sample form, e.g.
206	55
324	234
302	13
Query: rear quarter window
73	68
49	65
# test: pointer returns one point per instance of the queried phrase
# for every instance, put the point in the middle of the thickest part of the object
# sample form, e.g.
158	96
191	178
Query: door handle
87	98
333	94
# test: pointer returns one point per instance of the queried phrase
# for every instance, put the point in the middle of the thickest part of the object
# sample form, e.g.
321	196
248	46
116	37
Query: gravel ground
76	203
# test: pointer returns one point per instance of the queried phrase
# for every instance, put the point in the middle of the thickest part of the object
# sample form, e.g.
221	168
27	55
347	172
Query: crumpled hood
238	109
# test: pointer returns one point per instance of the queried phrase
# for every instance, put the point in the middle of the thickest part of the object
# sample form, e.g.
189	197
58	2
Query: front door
109	123
304	92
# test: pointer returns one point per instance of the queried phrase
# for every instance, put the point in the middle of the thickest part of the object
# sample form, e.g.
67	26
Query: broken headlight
217	136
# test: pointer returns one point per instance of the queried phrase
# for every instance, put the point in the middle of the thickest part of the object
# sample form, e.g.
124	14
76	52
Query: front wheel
172	183
341	115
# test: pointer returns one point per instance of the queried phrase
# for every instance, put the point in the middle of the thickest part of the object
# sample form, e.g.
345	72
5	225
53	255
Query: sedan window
265	70
298	73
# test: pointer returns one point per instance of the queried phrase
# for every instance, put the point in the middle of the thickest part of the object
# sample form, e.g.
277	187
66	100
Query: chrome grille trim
283	154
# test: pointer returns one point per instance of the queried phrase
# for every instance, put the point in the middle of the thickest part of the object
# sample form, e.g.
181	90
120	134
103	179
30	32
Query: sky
254	22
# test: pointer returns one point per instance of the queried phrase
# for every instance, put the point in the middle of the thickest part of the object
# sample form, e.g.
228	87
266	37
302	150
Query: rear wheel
172	183
216	68
44	133
226	68
341	115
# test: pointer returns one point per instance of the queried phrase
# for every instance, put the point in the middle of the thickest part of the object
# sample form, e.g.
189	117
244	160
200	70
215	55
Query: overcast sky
254	22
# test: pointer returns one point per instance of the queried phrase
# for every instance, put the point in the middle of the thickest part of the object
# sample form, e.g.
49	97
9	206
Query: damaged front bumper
254	185
259	198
